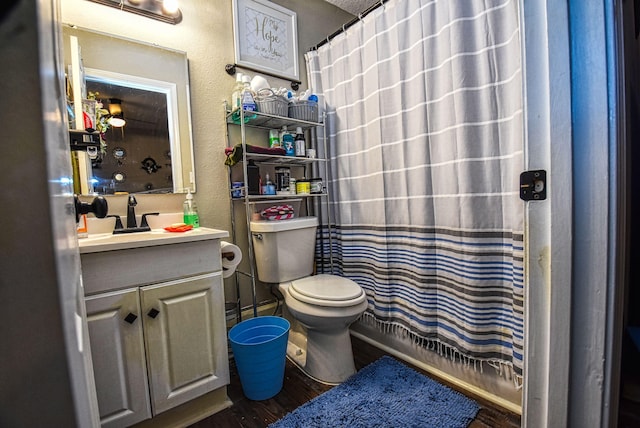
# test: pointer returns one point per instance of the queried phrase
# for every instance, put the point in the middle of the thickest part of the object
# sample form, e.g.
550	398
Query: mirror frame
117	58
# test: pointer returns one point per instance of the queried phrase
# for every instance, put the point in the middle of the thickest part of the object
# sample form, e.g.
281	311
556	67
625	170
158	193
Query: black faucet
132	225
131	212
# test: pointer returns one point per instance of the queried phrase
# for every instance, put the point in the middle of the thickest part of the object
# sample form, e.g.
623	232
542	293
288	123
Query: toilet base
315	355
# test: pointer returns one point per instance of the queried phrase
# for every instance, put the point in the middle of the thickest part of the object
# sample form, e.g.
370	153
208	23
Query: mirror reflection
147	87
137	142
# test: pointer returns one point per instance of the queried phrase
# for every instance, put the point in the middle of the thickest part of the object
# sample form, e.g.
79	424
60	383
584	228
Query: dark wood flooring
298	389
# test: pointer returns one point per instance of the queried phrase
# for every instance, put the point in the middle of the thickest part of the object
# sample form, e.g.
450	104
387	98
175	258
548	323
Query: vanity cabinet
156	327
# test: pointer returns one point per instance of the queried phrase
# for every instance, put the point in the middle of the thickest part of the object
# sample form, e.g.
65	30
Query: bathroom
211	86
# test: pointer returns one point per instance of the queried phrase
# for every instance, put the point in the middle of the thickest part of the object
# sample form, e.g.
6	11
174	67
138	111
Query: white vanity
155	310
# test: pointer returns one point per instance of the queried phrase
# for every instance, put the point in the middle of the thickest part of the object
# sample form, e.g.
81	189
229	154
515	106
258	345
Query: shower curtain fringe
504	370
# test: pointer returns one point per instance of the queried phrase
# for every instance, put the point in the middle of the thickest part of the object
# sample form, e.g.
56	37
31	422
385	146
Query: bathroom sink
130	237
100	242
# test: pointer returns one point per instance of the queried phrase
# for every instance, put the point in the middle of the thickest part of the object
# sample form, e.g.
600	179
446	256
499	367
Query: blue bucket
259	348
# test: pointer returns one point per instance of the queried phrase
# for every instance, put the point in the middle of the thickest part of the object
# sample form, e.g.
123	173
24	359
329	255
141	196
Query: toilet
320	308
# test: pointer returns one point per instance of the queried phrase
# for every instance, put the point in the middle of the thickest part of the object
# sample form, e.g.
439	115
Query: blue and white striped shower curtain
424	121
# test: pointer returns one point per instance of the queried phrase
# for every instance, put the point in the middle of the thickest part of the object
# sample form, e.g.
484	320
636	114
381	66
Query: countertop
97	243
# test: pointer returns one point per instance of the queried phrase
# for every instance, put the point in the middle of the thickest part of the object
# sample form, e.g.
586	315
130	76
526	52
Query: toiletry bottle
268	187
274	138
300	143
253	178
190	211
237	90
283	131
288	143
248	97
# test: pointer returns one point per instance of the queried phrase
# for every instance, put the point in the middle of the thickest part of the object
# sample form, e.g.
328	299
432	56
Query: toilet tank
284	249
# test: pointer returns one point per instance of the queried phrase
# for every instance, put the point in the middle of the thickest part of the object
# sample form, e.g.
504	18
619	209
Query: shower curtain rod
349	24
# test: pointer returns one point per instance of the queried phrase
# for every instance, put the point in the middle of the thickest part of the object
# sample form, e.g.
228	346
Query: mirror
153	152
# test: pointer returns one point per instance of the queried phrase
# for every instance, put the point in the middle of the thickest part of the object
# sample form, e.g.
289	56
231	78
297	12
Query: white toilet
320	308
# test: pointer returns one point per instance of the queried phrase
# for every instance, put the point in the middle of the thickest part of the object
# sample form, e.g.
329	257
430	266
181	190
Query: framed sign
266	37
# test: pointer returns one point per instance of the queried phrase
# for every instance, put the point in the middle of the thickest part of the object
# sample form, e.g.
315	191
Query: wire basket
304	110
270	103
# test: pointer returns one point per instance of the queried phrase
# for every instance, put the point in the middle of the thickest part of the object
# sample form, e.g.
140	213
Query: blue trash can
259	348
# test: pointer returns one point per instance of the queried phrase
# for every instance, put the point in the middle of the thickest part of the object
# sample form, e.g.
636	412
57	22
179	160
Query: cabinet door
186	340
117	351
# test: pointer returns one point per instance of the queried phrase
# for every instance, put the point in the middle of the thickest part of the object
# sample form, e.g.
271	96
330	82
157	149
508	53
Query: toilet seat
327	290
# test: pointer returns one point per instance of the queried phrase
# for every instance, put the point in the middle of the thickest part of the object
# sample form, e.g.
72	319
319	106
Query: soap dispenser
190	211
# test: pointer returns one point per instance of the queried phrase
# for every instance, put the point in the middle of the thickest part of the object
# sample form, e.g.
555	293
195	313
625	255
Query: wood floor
298	389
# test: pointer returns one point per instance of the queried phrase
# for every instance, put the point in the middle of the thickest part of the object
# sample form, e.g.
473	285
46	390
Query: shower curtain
424	128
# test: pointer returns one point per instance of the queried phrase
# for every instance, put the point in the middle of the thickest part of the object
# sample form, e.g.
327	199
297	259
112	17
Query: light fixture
170	7
162	10
116	118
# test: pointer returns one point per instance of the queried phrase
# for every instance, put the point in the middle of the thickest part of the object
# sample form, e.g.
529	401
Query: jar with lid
315	185
303	186
283	175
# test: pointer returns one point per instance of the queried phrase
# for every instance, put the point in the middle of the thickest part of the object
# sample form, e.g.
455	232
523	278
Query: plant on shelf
102	120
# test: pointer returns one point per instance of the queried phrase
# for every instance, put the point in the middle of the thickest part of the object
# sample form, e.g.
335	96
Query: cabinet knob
153	312
131	318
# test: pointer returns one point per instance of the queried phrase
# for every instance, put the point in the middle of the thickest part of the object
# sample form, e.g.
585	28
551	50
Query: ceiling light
115	111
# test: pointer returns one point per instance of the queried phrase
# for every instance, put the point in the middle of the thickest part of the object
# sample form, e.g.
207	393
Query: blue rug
386	393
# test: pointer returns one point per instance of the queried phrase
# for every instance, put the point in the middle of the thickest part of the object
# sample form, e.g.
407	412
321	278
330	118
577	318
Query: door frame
547	95
571	97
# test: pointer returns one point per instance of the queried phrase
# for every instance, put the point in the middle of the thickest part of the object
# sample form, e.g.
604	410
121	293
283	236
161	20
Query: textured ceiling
354	7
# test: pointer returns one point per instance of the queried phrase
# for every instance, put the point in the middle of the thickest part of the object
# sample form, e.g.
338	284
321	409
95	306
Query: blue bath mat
386	393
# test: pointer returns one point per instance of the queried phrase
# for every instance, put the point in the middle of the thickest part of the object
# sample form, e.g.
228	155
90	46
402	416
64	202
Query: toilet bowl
320	343
320	308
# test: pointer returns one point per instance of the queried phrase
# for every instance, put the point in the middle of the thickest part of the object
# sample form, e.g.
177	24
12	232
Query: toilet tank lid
279	225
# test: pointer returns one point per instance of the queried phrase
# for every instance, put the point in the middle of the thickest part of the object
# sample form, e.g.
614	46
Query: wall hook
230	69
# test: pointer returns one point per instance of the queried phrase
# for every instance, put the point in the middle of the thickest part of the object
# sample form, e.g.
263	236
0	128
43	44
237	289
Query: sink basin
99	242
121	238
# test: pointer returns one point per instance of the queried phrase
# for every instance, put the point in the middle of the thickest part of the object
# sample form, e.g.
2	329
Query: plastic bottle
283	131
274	138
248	96
253	178
300	143
235	95
268	188
288	142
190	211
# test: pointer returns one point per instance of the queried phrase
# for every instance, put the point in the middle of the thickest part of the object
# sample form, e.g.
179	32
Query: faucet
132	225
131	212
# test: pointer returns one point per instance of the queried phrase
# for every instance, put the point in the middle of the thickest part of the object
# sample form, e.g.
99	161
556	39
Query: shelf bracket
232	68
